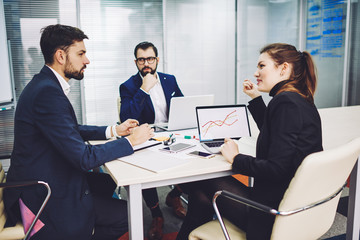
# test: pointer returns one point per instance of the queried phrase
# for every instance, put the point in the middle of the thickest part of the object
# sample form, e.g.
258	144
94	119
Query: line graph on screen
229	120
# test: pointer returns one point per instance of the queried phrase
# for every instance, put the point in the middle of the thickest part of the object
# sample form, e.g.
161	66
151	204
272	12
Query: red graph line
220	123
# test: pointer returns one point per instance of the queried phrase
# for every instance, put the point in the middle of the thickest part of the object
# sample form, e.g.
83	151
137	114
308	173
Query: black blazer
49	146
290	129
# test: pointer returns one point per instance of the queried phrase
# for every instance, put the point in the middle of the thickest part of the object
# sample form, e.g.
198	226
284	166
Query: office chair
118	104
17	232
309	205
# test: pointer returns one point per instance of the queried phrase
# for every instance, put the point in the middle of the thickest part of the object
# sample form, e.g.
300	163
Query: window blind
24	19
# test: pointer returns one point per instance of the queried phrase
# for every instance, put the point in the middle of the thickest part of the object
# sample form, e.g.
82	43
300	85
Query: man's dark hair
144	46
56	37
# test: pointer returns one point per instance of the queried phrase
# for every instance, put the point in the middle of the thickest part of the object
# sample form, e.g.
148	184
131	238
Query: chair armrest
245	201
237	198
270	210
17	184
29	183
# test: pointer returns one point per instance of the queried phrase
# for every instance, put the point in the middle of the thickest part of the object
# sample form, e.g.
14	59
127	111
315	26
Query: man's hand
126	127
141	134
149	82
229	150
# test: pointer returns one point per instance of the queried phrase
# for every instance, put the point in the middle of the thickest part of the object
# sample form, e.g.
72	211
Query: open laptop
215	123
182	111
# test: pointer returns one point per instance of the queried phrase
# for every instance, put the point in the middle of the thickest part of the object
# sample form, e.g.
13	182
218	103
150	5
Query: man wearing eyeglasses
146	96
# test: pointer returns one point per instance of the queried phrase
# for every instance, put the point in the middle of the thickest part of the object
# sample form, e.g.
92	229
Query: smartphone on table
201	154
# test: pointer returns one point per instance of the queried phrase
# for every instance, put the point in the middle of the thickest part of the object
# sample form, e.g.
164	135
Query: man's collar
63	83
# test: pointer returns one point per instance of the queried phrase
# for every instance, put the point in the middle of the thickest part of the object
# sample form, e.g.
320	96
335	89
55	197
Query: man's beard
70	72
152	71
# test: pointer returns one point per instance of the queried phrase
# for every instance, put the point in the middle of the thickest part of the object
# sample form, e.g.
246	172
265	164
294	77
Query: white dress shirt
158	100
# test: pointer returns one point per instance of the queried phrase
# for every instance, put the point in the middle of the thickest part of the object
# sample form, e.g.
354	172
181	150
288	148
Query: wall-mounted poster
325	40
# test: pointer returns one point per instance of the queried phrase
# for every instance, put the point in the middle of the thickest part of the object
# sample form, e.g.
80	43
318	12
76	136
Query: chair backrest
2	206
319	176
118	107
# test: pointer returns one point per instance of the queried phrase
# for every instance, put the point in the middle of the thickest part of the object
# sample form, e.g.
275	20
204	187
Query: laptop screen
182	110
219	122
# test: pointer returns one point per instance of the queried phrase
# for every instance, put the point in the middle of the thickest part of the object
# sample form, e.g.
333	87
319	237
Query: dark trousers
151	197
200	209
111	218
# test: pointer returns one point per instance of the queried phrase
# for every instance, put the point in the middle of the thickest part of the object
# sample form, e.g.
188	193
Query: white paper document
153	160
147	144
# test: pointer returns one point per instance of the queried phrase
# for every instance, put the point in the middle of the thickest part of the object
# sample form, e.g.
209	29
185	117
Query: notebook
182	111
215	123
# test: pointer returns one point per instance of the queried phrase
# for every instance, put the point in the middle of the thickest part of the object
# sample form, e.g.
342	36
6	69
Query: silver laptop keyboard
214	144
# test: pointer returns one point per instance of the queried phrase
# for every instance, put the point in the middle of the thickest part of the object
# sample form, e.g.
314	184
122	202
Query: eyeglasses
141	61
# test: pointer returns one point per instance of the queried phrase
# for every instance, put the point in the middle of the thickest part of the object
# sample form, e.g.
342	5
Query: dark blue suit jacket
49	146
136	104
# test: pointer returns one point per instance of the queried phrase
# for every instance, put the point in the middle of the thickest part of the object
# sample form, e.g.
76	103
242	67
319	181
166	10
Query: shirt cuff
108	132
144	91
129	142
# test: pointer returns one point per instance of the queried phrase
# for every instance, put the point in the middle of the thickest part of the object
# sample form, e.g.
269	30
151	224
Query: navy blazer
290	129
49	146
136	104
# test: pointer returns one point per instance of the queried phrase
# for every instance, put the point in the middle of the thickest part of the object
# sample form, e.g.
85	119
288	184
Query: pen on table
5	108
186	136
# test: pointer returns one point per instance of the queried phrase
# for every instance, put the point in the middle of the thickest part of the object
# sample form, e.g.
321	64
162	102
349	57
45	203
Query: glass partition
261	22
325	40
114	29
200	43
354	63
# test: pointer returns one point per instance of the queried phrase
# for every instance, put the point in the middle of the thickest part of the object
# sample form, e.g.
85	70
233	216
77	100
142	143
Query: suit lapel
166	88
148	103
137	80
47	71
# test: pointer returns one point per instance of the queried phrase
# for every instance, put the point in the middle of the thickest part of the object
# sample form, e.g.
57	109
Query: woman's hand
250	89
229	150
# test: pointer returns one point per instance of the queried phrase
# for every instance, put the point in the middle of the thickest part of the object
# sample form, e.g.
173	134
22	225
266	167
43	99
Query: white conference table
340	125
134	179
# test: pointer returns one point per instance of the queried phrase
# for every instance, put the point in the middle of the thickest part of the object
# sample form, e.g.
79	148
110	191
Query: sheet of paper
146	144
154	161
